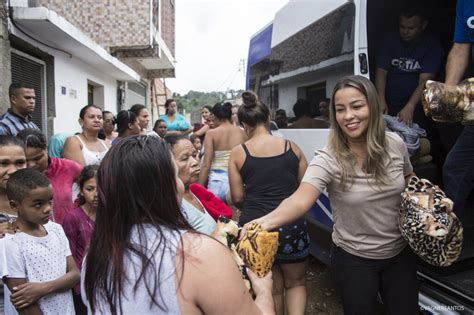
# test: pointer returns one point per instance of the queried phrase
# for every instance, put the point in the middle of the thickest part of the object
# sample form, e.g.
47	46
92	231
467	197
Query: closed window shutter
30	72
136	94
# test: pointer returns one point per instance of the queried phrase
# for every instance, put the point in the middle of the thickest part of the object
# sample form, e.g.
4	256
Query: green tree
195	100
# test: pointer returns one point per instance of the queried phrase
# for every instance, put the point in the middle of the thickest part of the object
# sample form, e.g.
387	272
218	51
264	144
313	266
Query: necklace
90	222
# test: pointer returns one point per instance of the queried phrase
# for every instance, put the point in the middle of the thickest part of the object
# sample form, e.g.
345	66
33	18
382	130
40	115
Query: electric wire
10	8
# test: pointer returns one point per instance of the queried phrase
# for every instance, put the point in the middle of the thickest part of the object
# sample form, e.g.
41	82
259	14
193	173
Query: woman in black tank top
261	176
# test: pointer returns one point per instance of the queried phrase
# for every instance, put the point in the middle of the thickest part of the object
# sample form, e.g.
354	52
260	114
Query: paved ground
322	296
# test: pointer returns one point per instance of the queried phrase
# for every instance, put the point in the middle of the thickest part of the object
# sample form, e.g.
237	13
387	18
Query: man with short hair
324	110
302	110
18	116
281	119
407	59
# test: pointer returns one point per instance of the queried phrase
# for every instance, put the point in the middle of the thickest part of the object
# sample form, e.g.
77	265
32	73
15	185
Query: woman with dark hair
177	124
12	158
86	148
143	119
217	146
60	172
144	258
127	125
200	129
263	171
364	169
109	127
201	207
79	224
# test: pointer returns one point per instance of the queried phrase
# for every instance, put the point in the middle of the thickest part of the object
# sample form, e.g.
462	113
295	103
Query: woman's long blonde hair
377	158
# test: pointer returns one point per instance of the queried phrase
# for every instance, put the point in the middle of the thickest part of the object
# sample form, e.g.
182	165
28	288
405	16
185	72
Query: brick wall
168	23
108	22
319	41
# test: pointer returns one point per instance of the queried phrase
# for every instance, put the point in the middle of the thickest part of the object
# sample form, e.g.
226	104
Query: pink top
62	173
78	228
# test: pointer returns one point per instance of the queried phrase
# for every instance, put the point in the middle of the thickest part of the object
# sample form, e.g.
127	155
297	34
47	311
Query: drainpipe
5	59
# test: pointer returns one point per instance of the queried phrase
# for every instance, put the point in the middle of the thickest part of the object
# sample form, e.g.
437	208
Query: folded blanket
213	205
410	135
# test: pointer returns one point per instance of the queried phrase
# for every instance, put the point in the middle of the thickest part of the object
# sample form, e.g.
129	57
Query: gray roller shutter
29	71
136	94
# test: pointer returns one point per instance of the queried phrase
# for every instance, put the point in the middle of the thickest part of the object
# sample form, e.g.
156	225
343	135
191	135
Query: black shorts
293	243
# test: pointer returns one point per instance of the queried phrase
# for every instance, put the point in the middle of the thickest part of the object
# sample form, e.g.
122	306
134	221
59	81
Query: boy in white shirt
39	269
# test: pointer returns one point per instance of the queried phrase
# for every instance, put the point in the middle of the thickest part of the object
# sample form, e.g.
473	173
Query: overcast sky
212	36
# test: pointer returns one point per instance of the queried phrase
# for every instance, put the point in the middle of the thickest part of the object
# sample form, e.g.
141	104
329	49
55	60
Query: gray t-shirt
366	214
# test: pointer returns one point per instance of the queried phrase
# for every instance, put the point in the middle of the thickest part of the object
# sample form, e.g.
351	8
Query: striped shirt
11	123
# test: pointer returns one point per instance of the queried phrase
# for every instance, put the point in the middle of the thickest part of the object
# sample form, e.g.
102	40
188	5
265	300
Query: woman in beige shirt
364	169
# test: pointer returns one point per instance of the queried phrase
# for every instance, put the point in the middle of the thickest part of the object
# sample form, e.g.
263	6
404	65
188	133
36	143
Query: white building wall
74	75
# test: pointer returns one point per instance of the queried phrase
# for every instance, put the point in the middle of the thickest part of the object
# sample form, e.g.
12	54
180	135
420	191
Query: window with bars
31	71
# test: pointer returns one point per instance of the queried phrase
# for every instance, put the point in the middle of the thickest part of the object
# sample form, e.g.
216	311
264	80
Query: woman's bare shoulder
72	141
210	271
212	132
200	245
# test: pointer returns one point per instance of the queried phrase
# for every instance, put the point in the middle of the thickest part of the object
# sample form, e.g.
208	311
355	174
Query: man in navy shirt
458	170
407	59
18	116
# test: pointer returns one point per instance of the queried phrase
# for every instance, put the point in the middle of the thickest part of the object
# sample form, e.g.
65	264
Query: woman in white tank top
144	258
86	148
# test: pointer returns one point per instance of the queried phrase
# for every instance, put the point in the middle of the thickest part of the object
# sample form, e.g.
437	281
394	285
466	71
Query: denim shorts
218	184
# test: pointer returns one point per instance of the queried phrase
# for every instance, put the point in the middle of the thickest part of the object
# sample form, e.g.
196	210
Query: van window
317	55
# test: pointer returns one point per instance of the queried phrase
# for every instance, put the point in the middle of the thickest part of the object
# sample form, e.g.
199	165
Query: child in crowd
196	141
61	173
79	224
12	158
160	128
38	267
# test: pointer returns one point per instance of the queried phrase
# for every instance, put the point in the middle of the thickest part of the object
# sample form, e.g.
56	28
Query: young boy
38	267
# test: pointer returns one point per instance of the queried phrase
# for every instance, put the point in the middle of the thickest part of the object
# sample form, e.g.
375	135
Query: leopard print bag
428	223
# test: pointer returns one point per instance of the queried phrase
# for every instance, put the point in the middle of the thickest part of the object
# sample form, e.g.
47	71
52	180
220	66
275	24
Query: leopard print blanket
227	232
447	103
428	223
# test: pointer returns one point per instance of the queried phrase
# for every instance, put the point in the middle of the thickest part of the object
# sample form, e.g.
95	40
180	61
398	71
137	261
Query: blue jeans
458	169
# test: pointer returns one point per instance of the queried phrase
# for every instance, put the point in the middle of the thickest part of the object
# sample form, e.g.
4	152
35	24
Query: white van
302	53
